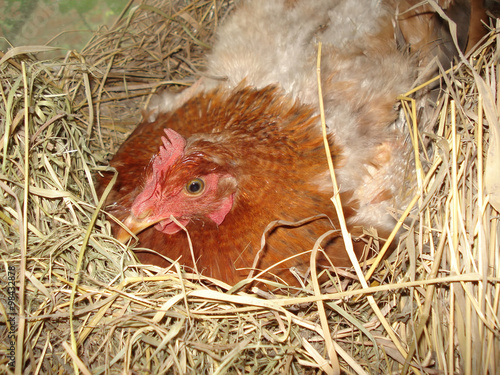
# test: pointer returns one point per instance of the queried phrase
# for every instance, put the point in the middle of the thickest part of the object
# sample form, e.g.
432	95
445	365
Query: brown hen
242	150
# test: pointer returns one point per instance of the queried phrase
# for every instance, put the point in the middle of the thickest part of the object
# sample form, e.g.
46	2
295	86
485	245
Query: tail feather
422	31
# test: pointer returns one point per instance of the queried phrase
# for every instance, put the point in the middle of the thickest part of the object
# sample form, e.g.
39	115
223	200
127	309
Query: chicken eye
195	186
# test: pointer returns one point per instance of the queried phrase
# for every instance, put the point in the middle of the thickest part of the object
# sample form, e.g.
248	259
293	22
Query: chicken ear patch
219	215
172	149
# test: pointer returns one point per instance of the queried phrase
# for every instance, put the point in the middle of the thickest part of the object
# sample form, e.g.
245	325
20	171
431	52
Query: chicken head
174	188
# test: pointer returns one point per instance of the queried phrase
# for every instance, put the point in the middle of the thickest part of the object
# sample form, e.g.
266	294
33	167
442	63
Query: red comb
172	149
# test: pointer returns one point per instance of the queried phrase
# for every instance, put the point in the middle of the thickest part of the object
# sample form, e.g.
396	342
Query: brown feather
273	148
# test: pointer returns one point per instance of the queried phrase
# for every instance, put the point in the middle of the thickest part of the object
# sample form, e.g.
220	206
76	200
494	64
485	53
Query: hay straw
431	307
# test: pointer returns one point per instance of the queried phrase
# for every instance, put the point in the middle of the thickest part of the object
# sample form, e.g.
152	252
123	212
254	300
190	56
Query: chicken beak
134	225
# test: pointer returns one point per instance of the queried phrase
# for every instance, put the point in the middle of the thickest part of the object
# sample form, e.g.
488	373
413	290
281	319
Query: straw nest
75	300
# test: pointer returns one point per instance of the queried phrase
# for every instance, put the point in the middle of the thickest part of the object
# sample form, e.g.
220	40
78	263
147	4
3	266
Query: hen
243	147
